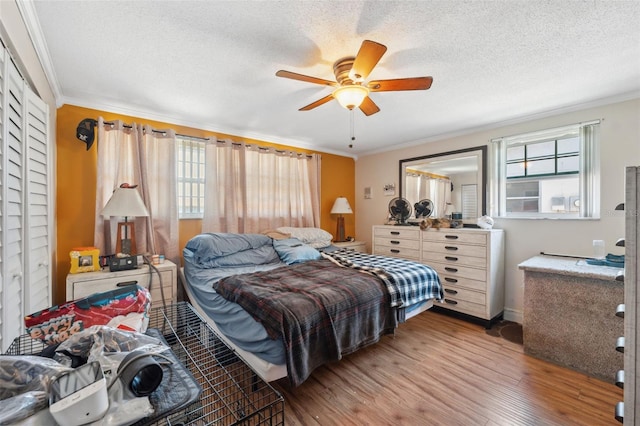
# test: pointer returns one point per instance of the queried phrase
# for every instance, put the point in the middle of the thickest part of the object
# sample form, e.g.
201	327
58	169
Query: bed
287	308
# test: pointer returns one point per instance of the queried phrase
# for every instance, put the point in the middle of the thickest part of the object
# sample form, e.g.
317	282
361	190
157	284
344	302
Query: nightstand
355	245
83	284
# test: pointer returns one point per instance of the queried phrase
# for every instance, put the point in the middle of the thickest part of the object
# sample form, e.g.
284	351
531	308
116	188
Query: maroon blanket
320	310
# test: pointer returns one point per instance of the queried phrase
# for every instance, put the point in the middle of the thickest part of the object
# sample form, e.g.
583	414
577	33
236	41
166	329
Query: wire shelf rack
232	393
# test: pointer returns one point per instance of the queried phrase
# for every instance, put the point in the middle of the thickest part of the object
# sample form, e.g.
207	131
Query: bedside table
360	246
85	283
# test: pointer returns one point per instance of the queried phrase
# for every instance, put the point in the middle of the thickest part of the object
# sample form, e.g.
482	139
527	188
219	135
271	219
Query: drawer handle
451	237
450	291
451	280
394	242
126	283
452	258
451	269
454	248
394	251
395	232
450	301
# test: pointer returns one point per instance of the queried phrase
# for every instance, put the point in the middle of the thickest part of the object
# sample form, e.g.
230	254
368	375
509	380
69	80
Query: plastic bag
21	406
123	409
25	373
110	346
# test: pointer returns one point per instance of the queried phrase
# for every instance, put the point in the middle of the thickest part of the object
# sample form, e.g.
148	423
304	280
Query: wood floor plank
439	370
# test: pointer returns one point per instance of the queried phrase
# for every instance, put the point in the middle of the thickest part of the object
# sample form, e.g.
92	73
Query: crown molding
623	97
30	18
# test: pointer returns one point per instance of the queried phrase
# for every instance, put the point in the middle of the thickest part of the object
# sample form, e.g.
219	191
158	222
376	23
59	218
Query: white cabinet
86	283
469	262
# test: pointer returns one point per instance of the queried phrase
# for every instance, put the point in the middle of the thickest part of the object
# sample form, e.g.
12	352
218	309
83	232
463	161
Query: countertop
569	266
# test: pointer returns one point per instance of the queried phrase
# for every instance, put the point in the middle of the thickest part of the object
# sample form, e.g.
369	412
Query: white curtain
147	158
118	162
438	190
251	189
159	188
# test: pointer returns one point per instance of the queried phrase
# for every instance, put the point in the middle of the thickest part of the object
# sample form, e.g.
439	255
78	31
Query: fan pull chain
351	128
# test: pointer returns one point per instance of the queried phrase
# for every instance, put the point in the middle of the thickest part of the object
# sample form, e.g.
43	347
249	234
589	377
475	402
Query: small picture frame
389	189
84	259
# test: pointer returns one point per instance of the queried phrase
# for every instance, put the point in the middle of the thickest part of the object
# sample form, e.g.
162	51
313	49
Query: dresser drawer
84	288
407	253
398	243
453	259
455	249
457	272
465	307
446	279
463	294
443	235
398	232
85	284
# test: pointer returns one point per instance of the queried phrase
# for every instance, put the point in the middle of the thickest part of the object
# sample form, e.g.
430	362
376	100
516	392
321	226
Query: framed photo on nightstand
84	259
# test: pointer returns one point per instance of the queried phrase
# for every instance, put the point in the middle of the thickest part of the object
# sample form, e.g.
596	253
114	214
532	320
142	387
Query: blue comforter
210	257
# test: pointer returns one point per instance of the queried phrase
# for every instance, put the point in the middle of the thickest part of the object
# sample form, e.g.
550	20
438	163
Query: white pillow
315	237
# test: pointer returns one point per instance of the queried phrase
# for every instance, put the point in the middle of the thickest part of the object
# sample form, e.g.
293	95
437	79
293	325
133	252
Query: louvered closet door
37	290
12	203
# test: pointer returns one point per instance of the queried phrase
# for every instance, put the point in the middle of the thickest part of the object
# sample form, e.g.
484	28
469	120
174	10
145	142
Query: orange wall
76	186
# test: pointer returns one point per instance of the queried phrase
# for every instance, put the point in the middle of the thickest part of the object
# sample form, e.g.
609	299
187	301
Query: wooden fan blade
368	106
308	79
416	83
317	103
368	56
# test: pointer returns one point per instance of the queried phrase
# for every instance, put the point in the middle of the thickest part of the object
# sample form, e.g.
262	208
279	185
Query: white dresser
469	262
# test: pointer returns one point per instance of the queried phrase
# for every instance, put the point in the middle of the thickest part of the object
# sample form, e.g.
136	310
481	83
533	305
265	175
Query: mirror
455	182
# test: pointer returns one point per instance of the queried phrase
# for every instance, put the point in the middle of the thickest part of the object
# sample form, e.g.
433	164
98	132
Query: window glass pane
568	146
523	189
522	206
557	194
541	149
515	153
541	167
568	164
515	169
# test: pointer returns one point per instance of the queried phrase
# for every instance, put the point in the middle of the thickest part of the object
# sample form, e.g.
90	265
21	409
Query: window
191	168
548	174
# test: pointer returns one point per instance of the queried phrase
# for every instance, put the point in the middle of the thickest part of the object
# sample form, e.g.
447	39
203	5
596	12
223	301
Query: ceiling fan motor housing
341	69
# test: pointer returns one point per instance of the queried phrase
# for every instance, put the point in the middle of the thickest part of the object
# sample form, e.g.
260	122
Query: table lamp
125	202
341	206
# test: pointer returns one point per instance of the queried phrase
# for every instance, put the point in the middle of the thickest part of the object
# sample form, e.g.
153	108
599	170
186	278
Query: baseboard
513	315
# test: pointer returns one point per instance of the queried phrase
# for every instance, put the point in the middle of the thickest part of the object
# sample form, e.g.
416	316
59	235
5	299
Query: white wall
619	147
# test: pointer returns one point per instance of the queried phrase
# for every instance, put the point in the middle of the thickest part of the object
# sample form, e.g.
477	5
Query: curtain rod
128	126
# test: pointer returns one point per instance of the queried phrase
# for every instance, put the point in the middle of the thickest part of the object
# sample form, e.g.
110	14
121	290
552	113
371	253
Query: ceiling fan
351	72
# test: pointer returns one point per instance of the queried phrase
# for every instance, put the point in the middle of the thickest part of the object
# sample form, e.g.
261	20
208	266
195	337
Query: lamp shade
341	206
125	202
351	96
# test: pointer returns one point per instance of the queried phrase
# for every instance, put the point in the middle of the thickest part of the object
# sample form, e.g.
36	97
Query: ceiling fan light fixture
351	96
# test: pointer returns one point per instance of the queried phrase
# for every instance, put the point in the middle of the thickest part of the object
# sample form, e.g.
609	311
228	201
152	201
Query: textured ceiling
212	64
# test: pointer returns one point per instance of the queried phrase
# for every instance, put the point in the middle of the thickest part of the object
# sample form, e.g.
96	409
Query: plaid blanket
407	282
319	309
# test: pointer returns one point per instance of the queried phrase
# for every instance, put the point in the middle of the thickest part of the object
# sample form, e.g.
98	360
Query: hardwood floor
438	370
